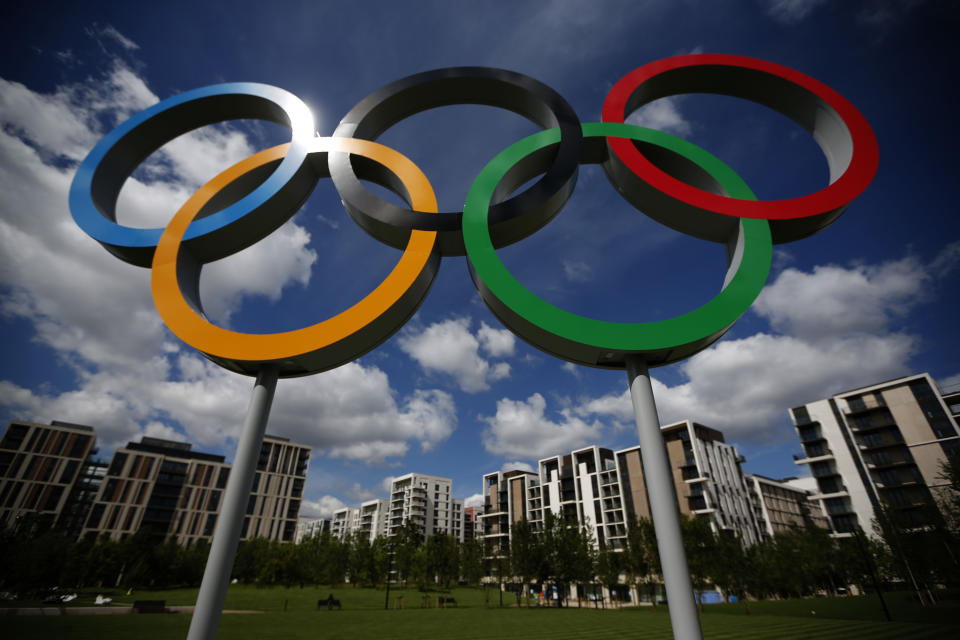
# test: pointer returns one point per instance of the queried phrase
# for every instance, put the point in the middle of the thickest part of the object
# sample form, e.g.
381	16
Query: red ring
856	177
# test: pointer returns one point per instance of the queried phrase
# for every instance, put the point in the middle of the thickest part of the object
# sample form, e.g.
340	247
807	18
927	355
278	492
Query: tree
700	546
471	560
728	564
568	552
406	542
359	558
526	554
443	558
642	557
609	566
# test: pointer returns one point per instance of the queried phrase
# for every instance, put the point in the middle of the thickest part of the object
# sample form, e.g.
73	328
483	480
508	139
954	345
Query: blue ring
136	245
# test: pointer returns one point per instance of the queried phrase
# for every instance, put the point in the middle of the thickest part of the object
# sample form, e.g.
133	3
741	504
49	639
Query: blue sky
453	393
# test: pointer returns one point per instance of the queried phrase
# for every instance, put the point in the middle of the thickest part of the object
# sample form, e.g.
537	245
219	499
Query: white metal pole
663	505
226	534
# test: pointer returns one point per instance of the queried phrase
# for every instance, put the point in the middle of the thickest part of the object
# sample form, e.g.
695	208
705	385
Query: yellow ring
301	352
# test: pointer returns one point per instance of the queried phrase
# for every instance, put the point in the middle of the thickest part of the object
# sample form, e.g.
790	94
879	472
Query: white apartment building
307	528
606	490
344	522
881	444
372	518
427	502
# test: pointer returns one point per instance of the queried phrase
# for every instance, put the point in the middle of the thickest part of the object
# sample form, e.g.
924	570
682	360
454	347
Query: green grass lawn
363	617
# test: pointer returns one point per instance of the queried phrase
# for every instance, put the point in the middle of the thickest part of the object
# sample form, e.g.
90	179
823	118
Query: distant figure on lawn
330	602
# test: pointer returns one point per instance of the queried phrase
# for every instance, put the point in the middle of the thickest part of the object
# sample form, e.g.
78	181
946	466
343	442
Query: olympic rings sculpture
668	179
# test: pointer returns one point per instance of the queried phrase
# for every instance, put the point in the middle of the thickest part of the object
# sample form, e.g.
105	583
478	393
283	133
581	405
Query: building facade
504	502
169	489
605	490
372	518
344	522
309	528
469	523
40	466
878	446
425	501
785	504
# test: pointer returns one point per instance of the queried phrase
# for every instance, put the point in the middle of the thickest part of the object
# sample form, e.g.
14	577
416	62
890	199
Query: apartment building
372	518
582	485
166	487
878	445
344	522
426	501
785	504
46	472
469	523
606	491
709	479
309	528
504	502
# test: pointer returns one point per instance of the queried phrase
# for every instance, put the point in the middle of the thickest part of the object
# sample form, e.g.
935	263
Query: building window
116	465
856	403
14	436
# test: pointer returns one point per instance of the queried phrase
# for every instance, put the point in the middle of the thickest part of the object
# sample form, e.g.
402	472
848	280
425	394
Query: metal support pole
663	505
226	535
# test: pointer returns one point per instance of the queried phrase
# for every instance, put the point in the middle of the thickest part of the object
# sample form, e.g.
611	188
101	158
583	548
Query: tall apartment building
785	504
372	518
584	485
308	528
504	502
469	523
344	522
170	489
606	491
878	445
425	501
47	471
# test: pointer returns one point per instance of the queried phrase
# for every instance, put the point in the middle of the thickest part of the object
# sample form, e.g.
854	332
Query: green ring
597	342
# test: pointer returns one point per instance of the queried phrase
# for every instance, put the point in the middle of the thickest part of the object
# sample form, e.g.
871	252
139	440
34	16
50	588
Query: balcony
889	464
803	459
839	493
883	444
863	409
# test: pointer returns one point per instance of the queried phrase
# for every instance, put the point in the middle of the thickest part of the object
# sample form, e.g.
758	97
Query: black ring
512	219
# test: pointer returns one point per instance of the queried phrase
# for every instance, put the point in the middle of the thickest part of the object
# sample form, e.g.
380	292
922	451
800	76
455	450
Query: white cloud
521	429
790	11
109	31
885	14
835	300
84	302
497	343
836	324
325	507
577	271
449	347
517	465
387	483
476	500
159	430
662	115
349	412
97	313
